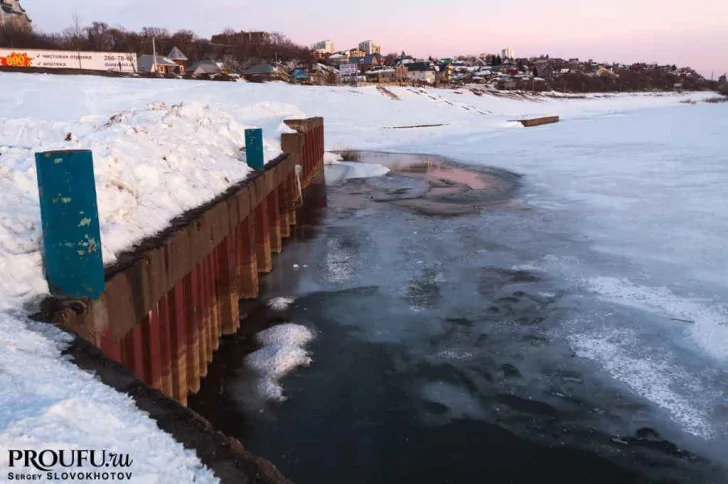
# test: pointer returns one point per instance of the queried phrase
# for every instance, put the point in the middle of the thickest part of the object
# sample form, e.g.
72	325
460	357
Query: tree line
236	49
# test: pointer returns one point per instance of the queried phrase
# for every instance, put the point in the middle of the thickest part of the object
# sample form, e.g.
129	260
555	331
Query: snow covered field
638	176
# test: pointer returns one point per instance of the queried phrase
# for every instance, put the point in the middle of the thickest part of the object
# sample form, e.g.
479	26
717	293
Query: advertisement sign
62	59
348	69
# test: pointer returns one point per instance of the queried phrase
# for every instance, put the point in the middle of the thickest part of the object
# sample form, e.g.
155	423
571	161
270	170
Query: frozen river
578	329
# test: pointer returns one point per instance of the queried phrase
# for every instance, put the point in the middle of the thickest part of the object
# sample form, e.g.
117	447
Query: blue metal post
71	238
254	149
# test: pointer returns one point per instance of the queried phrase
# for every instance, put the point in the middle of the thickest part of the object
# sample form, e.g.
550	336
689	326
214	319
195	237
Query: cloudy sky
691	33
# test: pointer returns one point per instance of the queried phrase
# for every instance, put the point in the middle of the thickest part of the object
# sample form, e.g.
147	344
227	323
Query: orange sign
16	59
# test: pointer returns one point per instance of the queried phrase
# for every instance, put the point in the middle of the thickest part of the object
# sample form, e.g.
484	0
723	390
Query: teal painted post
71	240
254	149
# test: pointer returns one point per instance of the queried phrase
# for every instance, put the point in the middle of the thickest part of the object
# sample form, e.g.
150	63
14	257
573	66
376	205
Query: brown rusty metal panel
165	338
199	231
233	212
274	222
220	223
262	237
123	302
261	188
178	255
243	200
178	337
193	313
292	143
153	277
248	282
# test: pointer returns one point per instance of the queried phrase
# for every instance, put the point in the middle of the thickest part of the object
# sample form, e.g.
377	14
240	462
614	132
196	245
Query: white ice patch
282	351
331	158
648	375
280	303
708	320
363	170
454	355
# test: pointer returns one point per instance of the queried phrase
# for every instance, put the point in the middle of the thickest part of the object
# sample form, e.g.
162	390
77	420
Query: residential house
265	73
13	15
444	73
381	75
157	64
207	67
357	53
506	83
327	74
369	61
421	72
176	56
314	76
404	59
339	58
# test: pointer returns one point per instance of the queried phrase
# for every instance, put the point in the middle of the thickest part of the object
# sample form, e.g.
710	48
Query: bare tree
99	36
74	35
76	27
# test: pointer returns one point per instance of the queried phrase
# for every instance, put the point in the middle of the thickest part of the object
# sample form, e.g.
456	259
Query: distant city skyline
625	31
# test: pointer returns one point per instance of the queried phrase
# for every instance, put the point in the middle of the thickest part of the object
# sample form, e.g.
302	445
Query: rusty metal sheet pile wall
164	311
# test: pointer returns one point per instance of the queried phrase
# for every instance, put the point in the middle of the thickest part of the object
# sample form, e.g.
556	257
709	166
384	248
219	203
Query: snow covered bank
152	163
46	402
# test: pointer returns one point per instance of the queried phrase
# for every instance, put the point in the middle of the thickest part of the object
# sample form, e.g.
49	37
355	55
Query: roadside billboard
62	59
348	69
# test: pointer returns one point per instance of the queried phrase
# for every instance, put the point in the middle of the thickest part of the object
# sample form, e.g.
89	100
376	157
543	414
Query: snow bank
152	163
282	351
47	402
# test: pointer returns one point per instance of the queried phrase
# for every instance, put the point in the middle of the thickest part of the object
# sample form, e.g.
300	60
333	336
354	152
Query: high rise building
369	47
13	15
325	46
508	53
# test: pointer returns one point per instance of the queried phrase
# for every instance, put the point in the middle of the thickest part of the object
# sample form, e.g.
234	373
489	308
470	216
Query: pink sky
691	33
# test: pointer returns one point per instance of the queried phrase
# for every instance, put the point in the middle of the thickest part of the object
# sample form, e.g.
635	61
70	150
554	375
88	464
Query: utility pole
154	51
